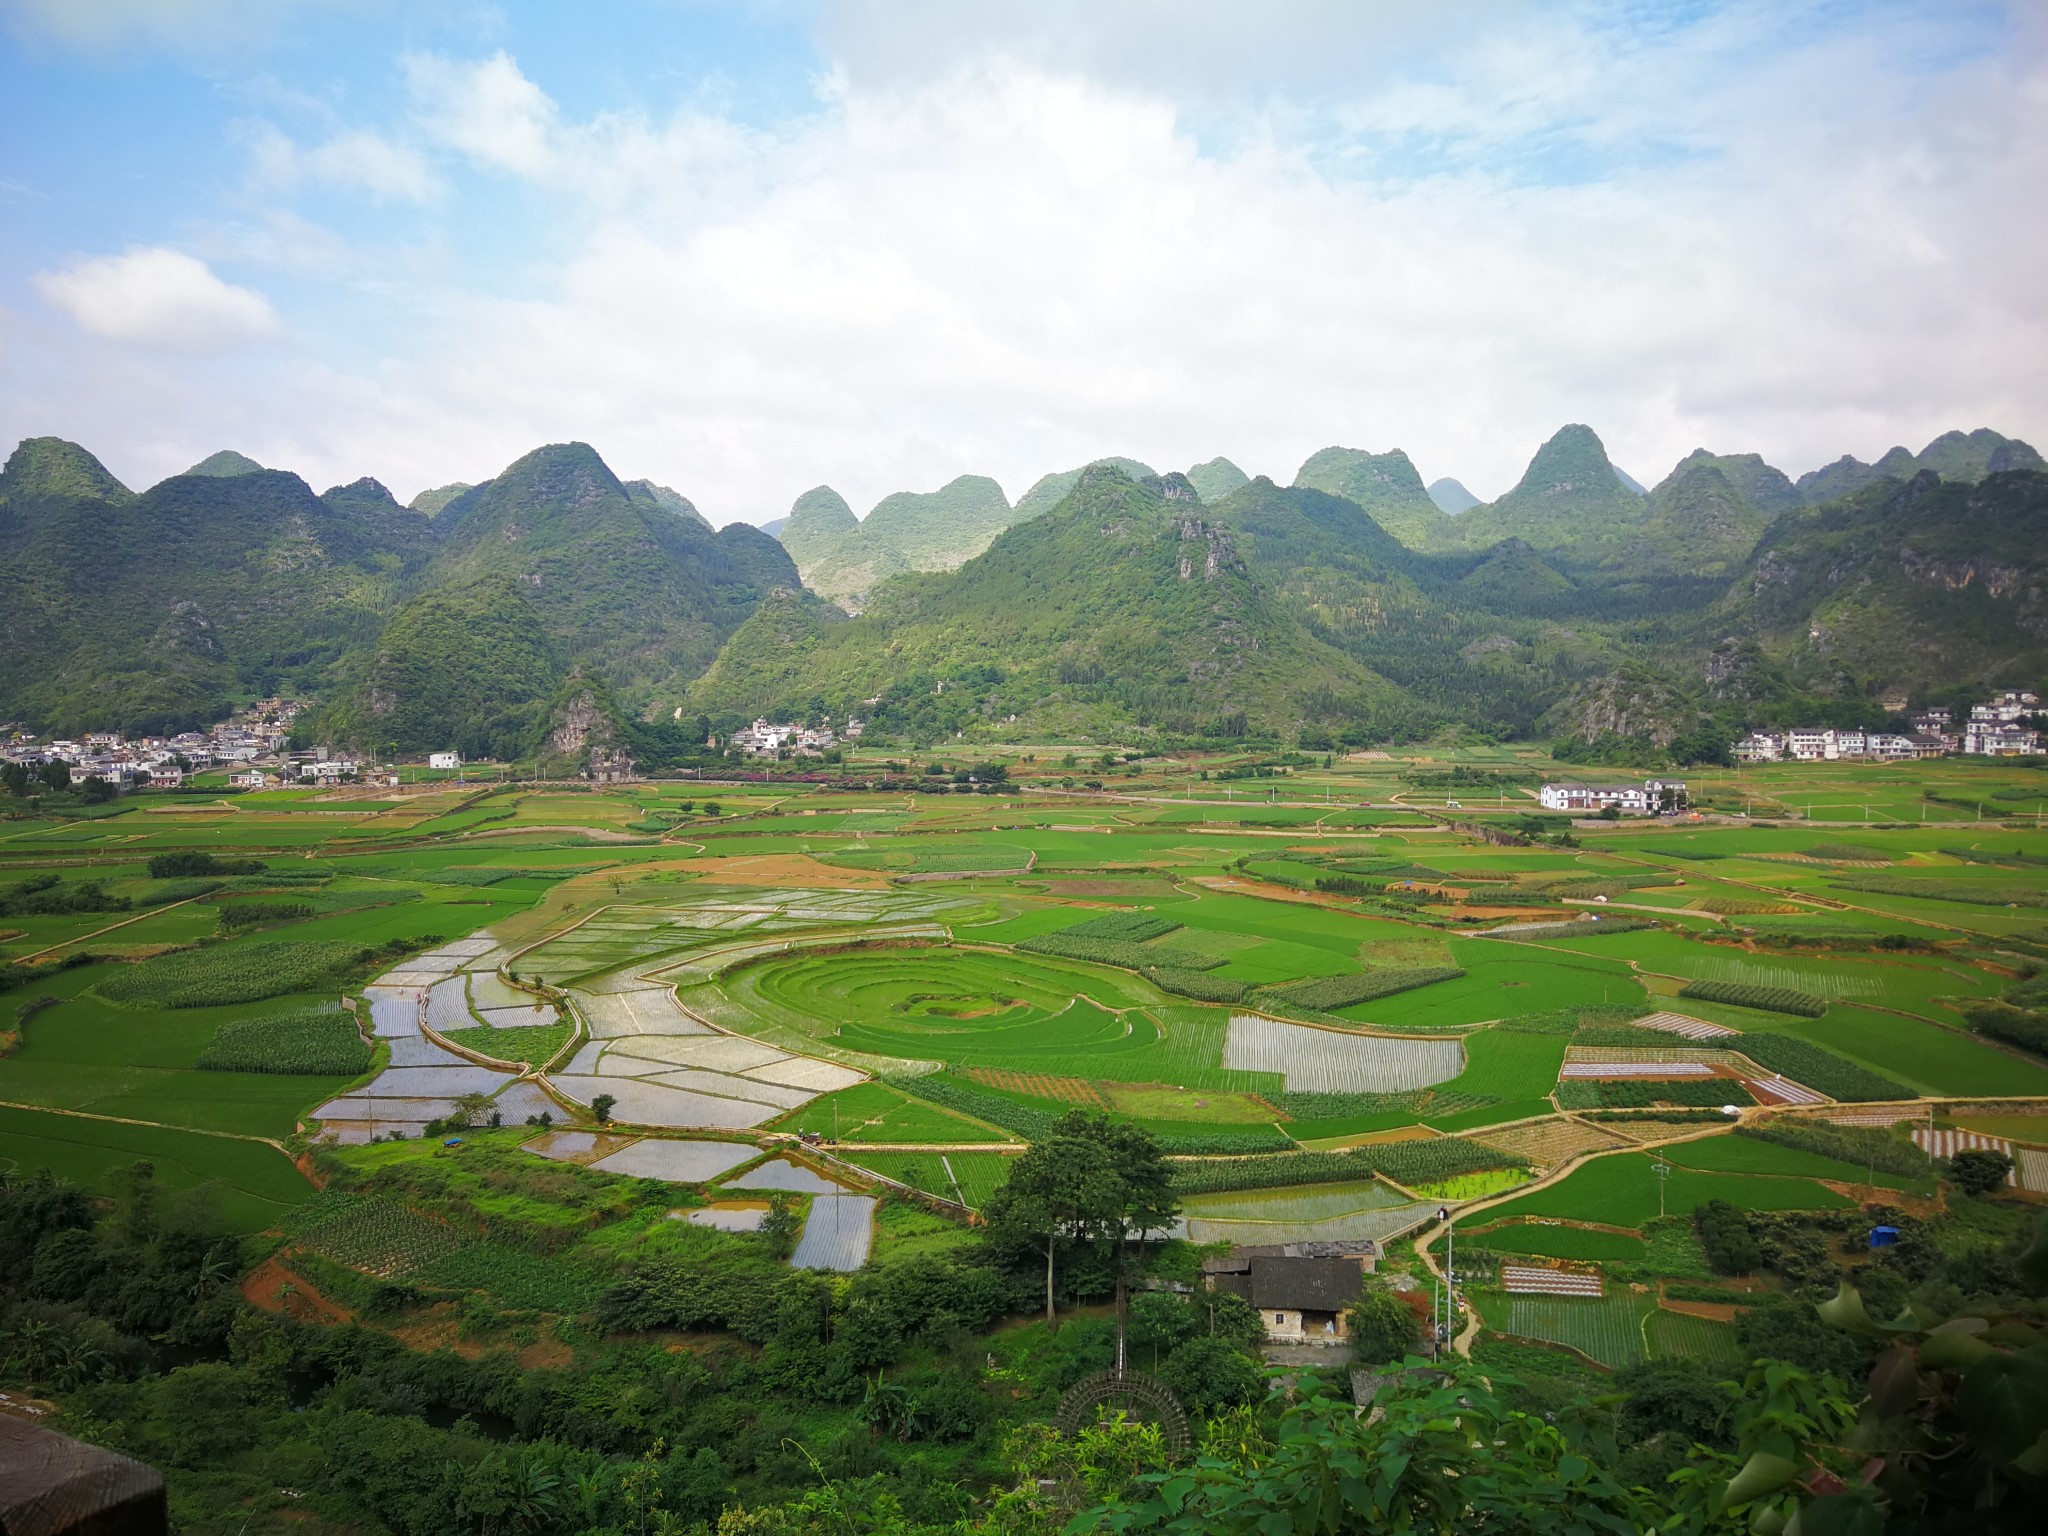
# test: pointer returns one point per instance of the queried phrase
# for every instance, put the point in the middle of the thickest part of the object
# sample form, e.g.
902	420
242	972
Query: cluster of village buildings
2002	728
253	745
764	740
1649	798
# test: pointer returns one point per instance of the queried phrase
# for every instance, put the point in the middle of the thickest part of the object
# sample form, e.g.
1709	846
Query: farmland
919	980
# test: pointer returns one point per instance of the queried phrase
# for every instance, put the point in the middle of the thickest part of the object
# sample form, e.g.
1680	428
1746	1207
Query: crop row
1635	1093
1945	890
230	973
948	1092
1742	994
1821	1070
1405	1162
1119	952
1131	927
512	1275
1329	993
379	1237
314	1043
1186	983
1606	926
1845	1143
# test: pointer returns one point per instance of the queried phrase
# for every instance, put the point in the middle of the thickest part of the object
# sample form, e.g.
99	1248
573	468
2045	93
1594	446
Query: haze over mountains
1356	603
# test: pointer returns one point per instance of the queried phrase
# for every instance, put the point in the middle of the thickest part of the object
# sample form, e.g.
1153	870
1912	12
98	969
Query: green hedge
1742	994
1131	927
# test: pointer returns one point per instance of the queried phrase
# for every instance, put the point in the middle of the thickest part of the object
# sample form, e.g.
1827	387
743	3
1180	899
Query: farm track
154	1125
152	912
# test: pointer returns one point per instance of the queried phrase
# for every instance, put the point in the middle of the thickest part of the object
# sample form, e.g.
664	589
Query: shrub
258	914
1979	1170
1742	994
950	1093
1329	993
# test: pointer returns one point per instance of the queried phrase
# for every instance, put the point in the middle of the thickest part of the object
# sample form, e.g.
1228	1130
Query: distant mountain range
1357	603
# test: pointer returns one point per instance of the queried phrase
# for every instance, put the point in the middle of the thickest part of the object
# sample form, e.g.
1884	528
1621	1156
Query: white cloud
1010	259
489	111
157	298
180	24
359	160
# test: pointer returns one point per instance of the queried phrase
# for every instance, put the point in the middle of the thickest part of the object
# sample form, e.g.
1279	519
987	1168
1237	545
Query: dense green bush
1742	994
46	896
950	1092
1725	1235
261	914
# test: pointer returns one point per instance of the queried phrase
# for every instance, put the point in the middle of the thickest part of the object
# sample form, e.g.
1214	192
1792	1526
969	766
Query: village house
444	759
1300	1299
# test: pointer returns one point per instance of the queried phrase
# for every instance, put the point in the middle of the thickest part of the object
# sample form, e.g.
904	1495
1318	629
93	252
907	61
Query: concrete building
444	759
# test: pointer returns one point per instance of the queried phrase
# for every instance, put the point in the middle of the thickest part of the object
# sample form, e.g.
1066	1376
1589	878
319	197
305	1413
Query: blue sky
746	248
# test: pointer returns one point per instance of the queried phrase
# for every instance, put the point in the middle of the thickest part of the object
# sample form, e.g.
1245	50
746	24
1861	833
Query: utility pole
1663	1171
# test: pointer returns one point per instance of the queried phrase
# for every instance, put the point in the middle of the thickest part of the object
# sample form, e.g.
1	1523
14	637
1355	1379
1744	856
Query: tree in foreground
1092	1180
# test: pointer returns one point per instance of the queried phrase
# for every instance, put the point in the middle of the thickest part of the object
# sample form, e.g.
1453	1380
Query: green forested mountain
1452	496
1048	491
1925	582
1216	479
1967	456
909	531
1127	603
45	467
226	463
1697	523
1570	499
1767	489
1387	486
160	609
554	563
653	495
817	520
431	503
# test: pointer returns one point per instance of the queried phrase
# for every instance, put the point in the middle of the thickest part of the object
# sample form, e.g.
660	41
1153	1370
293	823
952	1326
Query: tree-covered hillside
159	610
1129	602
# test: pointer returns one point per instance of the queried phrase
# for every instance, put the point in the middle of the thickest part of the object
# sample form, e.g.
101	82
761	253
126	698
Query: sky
746	248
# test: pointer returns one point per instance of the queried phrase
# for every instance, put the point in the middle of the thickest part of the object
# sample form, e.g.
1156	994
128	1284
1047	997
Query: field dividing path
154	1125
138	917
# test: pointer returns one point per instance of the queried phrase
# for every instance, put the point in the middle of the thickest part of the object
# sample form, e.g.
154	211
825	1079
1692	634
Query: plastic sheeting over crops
1328	1061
